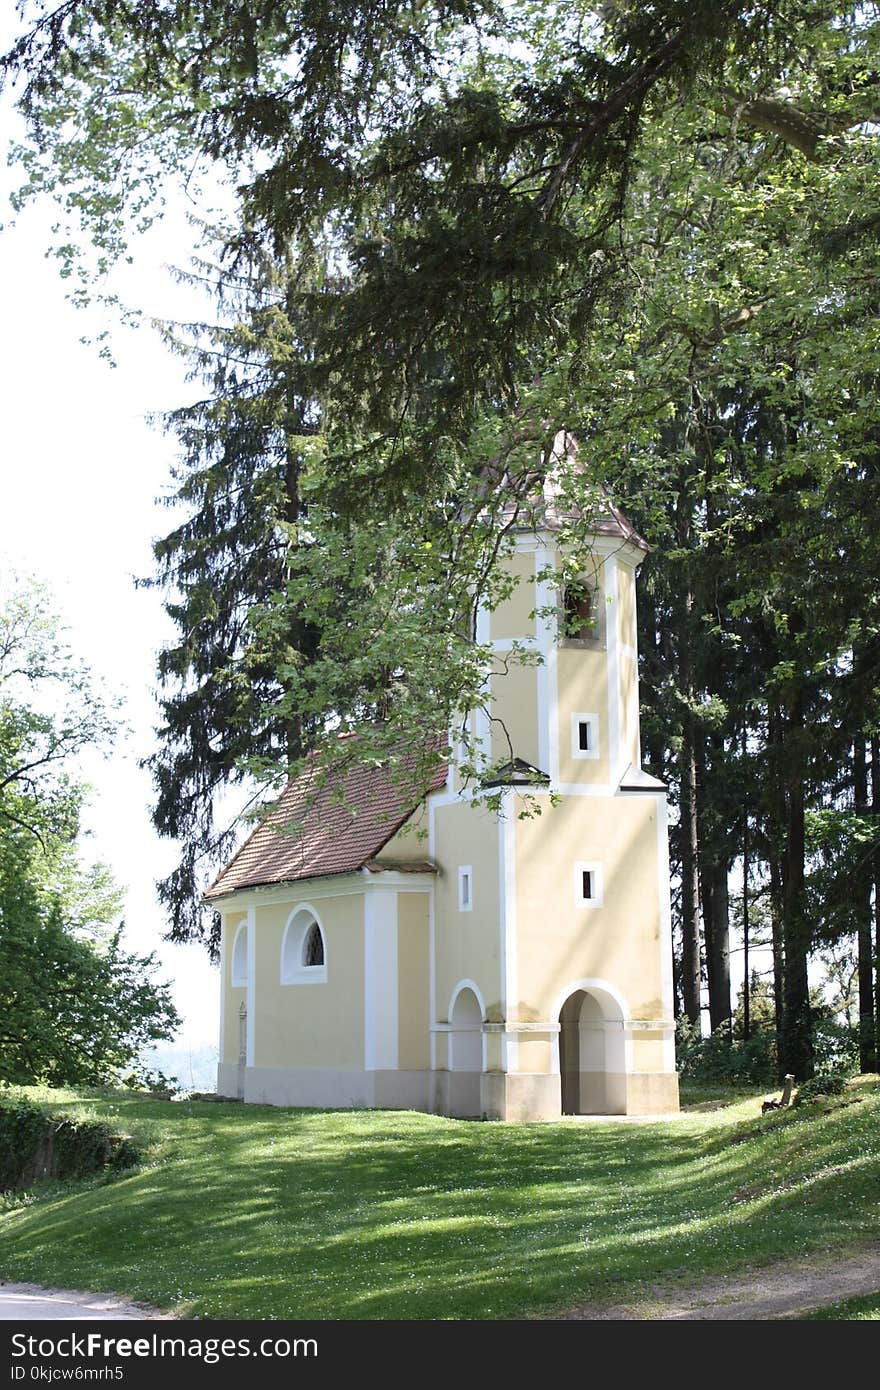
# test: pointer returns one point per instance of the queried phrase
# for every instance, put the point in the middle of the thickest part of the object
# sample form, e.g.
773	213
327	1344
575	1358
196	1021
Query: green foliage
836	1047
830	1084
75	1006
35	1144
460	228
154	1082
722	1057
71	1011
49	712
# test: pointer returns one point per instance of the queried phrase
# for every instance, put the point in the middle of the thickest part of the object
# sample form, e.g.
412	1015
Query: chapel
467	961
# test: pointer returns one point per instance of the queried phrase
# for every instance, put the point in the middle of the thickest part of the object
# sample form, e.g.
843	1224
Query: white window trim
465	874
591	866
592	723
237	978
292	942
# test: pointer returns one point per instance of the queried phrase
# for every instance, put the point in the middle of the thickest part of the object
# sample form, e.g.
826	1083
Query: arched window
303	949
313	947
580	617
583	611
239	957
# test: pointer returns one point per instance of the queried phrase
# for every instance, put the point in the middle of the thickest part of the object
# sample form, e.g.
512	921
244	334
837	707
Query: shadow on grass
269	1213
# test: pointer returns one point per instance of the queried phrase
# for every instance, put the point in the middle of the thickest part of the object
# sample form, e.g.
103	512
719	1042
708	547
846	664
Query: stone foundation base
519	1097
227	1079
457	1094
524	1097
651	1093
322	1089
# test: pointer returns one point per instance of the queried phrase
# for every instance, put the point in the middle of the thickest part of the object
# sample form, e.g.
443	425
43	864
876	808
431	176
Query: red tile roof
543	511
316	829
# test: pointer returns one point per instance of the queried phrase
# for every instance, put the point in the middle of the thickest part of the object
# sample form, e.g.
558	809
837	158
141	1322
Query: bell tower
563	688
564	941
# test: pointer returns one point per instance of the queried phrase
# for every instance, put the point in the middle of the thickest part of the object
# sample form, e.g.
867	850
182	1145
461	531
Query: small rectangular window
584	735
465	888
588	884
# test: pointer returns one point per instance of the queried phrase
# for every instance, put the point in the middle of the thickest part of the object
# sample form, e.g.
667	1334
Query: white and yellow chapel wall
493	986
357	1026
537	942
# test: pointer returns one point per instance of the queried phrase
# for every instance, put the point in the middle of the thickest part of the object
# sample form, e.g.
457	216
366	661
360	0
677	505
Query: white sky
80	471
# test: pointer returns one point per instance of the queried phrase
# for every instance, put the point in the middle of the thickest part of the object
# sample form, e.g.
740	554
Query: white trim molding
450	1027
507	924
475	989
328	885
432	928
615	1012
597	896
292	969
238	970
613	662
547	636
482	714
224	988
380	980
251	986
465	888
591	721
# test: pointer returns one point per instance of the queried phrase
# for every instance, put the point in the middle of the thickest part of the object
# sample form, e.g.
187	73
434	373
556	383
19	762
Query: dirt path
29	1302
780	1291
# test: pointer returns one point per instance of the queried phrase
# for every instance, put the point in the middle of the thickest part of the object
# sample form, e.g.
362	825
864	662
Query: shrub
832	1084
723	1057
155	1083
36	1145
835	1047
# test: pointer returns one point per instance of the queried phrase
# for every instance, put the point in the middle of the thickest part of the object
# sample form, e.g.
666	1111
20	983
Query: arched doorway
592	1064
466	1053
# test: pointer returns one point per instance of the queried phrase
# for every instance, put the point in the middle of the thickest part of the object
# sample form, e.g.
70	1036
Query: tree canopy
75	1005
457	229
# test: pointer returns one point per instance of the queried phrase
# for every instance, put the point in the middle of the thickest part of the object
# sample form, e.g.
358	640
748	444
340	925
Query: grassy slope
865	1309
265	1213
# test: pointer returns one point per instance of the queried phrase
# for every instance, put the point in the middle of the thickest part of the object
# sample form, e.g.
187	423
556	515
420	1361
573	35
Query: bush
835	1047
36	1145
832	1084
155	1083
722	1057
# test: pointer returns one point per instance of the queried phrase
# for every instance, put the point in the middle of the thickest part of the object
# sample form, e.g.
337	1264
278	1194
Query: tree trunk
777	820
862	909
716	921
747	984
651	657
690	891
691	980
291	512
677	1001
875	808
714	895
796	1050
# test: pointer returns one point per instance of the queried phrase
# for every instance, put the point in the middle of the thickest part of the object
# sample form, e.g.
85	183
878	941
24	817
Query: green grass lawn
865	1309
252	1212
